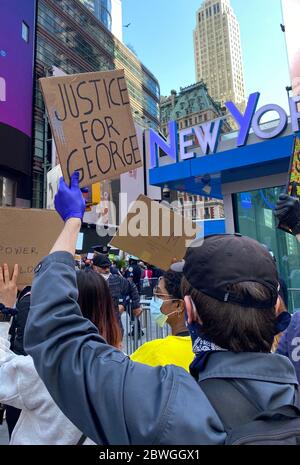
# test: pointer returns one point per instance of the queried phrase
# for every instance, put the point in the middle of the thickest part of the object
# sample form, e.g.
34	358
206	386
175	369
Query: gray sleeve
108	397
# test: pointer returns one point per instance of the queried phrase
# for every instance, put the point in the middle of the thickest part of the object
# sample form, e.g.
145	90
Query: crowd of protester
229	370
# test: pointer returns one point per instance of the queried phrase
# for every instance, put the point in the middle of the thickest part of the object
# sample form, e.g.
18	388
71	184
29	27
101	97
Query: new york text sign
92	124
207	135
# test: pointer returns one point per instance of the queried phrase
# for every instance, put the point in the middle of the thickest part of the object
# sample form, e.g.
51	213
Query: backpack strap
233	407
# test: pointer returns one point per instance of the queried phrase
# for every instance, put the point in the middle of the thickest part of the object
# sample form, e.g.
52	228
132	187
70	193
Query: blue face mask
155	306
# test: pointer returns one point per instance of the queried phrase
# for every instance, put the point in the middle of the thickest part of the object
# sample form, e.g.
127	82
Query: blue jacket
114	400
289	344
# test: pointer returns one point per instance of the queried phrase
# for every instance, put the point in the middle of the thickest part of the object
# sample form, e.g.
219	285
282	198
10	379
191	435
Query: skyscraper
218	54
71	38
109	12
101	9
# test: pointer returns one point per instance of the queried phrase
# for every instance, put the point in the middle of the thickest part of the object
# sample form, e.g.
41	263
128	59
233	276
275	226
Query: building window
253	216
25	32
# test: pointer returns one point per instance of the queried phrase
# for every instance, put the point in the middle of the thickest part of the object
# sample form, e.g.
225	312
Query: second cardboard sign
26	236
92	125
154	233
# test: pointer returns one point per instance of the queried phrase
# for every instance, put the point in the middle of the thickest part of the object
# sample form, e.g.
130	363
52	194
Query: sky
161	33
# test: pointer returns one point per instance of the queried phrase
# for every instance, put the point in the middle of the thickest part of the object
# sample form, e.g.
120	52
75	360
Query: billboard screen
17	33
291	15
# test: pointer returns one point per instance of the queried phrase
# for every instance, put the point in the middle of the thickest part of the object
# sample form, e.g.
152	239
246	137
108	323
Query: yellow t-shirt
172	350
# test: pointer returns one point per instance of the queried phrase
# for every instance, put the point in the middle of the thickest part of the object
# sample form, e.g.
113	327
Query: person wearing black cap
104	250
121	289
230	297
230	290
134	272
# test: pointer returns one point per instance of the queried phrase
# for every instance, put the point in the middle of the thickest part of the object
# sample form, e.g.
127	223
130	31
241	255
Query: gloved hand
68	201
288	212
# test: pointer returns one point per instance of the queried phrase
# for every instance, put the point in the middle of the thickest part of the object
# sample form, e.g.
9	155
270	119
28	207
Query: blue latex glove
68	201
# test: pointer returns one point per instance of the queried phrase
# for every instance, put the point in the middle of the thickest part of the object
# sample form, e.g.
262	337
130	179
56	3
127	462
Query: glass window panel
254	218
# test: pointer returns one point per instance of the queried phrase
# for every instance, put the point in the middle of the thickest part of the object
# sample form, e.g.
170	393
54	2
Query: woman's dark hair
173	283
231	326
96	304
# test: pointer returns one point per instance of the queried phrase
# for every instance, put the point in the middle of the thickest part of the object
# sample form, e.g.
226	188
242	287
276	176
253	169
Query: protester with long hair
96	304
41	421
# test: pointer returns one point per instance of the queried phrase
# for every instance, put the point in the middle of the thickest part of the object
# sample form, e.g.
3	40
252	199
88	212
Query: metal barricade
138	330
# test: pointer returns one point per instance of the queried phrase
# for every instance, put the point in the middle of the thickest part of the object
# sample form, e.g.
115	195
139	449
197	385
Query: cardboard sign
92	125
154	233
26	236
293	184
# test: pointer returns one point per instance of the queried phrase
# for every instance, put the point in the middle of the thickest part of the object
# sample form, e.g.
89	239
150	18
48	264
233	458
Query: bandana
203	347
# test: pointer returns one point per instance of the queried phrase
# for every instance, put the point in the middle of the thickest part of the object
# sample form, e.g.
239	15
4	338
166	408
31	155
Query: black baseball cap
104	249
102	261
219	261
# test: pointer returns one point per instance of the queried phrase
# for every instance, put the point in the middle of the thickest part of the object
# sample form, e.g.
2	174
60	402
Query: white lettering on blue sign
207	135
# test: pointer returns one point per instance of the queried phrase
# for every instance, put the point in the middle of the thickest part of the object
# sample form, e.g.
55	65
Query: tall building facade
218	52
71	38
109	12
101	9
192	106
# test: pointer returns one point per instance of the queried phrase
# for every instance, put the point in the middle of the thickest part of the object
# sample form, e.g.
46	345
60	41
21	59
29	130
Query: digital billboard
17	33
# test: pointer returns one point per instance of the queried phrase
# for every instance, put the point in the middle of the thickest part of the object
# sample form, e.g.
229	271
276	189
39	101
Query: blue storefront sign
254	150
207	135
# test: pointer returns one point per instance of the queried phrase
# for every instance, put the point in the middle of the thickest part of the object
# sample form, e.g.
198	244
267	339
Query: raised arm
108	397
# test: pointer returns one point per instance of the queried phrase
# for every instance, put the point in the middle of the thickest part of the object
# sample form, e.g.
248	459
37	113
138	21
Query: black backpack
245	423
